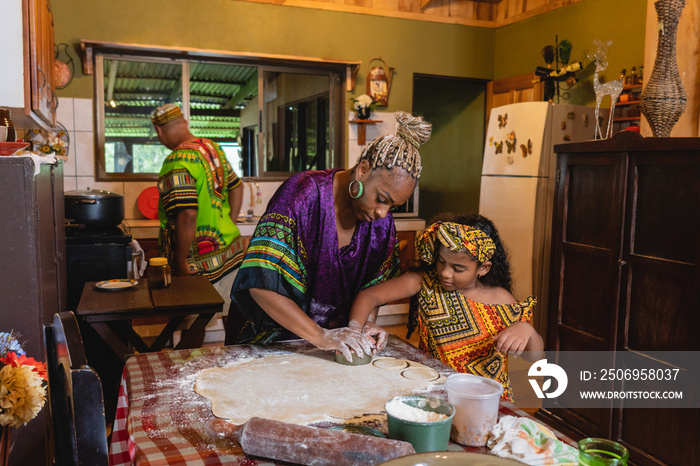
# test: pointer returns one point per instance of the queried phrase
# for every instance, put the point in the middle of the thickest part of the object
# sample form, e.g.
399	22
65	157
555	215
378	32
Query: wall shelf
361	129
629	102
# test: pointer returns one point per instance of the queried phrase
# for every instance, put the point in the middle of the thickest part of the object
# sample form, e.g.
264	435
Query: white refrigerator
517	186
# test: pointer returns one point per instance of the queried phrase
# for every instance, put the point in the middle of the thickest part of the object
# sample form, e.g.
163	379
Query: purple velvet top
295	253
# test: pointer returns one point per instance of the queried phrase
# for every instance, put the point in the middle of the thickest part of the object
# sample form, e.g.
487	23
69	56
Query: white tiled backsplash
387	125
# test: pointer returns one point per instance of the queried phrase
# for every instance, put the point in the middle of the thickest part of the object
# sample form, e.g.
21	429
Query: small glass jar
6	120
601	452
158	273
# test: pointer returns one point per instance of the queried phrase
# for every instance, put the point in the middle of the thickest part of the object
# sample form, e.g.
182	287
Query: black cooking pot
94	208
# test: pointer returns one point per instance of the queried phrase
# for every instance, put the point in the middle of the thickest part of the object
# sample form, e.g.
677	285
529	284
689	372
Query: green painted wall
518	47
409	46
452	158
451	179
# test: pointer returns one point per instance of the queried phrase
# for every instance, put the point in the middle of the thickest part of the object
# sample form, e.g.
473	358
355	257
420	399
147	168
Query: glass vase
363	113
6	120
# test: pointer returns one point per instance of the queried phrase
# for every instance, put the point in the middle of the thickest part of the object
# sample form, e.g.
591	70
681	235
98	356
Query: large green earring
361	189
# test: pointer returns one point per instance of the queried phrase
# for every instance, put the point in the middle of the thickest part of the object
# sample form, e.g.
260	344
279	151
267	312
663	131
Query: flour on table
401	410
300	388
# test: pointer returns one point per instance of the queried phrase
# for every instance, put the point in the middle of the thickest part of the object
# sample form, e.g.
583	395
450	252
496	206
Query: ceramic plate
117	284
9	148
451	458
148	202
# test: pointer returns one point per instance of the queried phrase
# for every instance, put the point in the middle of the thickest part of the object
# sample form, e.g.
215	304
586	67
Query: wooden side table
110	312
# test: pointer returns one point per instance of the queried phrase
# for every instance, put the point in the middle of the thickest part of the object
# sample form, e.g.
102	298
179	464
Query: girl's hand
378	334
514	339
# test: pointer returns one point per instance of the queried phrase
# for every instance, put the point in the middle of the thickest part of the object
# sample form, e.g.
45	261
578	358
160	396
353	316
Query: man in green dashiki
200	198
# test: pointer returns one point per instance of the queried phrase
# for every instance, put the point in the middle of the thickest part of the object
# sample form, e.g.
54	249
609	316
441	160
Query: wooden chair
75	397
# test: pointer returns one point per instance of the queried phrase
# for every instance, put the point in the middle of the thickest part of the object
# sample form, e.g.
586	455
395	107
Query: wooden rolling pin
311	446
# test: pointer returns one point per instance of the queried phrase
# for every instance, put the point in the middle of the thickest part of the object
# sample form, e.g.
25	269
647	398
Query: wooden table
110	312
162	421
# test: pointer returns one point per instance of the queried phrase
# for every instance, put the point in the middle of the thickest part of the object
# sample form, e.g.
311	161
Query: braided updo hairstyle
400	149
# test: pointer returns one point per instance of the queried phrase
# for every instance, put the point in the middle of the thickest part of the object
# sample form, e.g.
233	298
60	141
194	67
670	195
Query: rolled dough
420	373
390	363
300	388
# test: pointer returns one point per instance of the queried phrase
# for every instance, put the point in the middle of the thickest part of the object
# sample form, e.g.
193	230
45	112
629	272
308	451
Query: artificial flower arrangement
363	106
45	142
22	383
364	101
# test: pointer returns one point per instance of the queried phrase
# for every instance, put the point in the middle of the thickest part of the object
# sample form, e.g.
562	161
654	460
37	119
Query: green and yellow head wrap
454	236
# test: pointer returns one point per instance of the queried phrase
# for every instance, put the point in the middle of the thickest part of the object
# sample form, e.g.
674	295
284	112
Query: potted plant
363	106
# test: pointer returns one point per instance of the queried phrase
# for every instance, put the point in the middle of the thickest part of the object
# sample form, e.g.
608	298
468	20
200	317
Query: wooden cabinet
41	56
28	63
33	275
625	276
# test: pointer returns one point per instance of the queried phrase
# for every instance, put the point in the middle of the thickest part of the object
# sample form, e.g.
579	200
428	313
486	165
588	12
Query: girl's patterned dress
458	331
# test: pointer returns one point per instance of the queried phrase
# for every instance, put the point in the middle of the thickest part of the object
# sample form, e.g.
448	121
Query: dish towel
139	263
525	440
38	159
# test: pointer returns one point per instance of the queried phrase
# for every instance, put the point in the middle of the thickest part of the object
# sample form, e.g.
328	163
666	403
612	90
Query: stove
94	254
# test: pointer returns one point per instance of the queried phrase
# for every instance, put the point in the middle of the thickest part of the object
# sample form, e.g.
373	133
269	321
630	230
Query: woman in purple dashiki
325	236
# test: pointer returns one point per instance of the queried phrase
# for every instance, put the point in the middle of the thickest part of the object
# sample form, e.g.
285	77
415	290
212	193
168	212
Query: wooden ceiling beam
113	65
242	94
176	93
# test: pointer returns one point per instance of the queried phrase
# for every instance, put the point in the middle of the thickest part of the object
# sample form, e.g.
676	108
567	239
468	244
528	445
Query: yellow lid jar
158	273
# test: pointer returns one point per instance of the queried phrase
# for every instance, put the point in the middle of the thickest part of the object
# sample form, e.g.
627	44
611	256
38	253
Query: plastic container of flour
423	421
475	400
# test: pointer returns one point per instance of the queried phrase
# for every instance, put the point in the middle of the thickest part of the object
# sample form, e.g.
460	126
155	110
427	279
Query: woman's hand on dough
346	340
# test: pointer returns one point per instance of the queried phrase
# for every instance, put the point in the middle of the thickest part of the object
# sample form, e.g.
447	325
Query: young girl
466	314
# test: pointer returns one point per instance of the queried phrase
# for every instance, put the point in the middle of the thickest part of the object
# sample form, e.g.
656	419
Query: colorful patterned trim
166	114
276	246
269	253
178	191
221	262
215	262
390	268
233	180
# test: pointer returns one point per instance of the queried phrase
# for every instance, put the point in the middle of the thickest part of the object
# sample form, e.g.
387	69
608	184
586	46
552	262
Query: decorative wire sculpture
552	78
613	88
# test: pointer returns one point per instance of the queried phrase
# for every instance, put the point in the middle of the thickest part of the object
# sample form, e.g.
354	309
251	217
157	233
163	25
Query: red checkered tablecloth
160	420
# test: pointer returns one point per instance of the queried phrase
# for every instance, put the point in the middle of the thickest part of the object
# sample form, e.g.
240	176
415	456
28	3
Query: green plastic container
424	436
340	359
601	452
